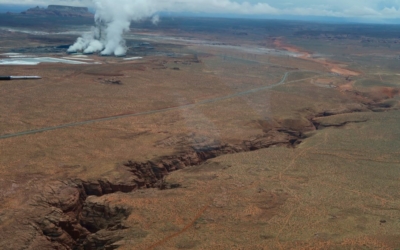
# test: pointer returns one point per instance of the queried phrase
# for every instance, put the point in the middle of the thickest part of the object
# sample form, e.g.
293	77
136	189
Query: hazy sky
375	9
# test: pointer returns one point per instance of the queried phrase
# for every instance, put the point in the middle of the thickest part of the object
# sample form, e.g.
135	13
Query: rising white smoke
88	43
113	18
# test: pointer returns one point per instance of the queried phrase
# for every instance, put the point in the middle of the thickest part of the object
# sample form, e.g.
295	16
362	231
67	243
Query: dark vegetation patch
373	83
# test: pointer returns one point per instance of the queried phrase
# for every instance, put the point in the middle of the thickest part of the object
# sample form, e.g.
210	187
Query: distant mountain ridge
59	10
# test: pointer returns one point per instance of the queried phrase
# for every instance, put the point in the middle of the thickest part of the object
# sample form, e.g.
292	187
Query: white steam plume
155	19
88	43
113	18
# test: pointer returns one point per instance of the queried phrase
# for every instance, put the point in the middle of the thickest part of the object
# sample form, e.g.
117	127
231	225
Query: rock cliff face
59	10
81	214
67	8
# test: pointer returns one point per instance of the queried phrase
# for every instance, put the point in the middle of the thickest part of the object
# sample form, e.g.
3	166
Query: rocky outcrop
80	215
150	174
75	220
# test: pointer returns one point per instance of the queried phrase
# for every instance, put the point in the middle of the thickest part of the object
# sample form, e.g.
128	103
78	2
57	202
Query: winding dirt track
109	118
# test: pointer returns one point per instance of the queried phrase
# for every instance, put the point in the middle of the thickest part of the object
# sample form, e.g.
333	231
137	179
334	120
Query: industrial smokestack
7	78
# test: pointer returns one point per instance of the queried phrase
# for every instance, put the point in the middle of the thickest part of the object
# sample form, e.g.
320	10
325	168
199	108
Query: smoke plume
113	18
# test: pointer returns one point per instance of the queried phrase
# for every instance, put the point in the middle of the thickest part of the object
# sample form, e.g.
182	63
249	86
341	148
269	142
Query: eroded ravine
80	220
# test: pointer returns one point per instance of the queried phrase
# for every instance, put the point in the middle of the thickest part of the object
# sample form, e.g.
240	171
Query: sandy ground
299	166
336	191
334	67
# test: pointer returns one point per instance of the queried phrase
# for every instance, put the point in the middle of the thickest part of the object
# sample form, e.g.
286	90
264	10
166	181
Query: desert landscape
207	133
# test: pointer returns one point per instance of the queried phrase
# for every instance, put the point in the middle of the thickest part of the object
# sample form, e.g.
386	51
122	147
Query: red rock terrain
235	150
